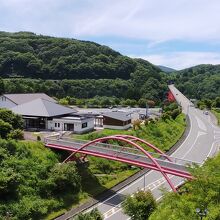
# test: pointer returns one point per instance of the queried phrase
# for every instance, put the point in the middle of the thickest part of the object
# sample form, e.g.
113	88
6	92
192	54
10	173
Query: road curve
202	142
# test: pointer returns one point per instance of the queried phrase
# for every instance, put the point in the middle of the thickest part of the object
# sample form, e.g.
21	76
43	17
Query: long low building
76	123
116	120
40	112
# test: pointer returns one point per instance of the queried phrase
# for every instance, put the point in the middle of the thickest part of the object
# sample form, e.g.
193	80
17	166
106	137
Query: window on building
58	125
55	125
84	125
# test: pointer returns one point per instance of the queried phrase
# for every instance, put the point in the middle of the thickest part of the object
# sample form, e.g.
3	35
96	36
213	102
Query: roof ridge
47	100
25	93
44	105
10	99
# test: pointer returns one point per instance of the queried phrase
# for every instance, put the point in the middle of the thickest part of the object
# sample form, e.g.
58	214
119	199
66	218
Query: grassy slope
163	134
101	174
216	112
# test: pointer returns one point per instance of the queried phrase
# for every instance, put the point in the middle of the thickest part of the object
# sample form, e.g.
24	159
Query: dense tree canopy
29	55
79	69
10	125
32	183
140	205
71	64
87	89
199	82
203	192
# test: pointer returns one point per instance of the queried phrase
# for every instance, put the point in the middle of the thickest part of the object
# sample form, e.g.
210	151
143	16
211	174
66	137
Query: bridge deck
123	154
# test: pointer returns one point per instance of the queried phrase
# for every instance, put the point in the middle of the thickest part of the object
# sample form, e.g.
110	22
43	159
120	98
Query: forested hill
166	69
25	54
202	81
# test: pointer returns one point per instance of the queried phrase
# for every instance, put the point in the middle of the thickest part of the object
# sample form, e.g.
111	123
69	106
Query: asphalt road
202	142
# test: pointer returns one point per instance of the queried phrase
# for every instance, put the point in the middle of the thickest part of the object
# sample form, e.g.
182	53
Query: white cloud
154	20
181	60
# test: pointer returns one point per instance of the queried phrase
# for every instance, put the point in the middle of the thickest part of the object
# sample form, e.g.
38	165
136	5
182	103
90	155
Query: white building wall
125	127
6	103
77	125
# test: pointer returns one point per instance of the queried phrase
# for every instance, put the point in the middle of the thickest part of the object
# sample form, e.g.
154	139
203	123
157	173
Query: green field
103	174
216	112
163	134
35	185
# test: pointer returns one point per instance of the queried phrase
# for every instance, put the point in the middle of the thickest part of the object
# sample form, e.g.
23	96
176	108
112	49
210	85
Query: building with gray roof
42	108
41	112
116	120
11	100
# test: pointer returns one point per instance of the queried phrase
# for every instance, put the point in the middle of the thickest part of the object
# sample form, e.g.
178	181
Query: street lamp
202	213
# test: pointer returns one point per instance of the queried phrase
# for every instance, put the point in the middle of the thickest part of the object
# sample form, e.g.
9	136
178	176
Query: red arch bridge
130	150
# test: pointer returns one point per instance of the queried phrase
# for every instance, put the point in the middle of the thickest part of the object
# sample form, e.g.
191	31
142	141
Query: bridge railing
183	162
120	149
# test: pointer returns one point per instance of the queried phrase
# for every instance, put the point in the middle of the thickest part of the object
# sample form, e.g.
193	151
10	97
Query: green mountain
166	69
202	81
64	67
25	54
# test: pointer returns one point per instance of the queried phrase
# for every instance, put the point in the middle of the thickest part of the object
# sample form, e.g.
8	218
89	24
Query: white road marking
213	145
160	181
139	179
123	189
190	131
199	134
170	176
217	136
201	124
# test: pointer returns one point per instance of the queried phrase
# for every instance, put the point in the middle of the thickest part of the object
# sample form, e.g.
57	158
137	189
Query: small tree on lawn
93	215
140	206
136	124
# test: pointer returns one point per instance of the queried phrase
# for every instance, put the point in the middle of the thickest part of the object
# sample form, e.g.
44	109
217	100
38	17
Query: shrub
5	129
165	116
136	124
175	113
146	121
140	206
15	120
16	134
93	215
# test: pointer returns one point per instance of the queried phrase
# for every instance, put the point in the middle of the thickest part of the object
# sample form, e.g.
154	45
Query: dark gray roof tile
27	97
122	116
43	108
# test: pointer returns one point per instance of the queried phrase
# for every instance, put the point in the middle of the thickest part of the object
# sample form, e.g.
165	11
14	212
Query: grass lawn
163	134
99	174
216	112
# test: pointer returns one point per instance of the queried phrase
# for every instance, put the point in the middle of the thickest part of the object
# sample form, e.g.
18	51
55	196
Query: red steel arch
126	140
133	138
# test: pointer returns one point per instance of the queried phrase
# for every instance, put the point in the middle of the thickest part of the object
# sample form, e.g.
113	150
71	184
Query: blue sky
174	33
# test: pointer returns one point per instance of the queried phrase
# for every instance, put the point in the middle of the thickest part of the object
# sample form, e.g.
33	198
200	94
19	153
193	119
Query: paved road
202	141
